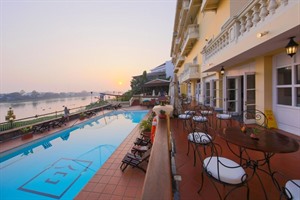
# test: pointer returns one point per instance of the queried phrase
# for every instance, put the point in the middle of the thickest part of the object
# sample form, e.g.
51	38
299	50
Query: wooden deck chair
59	122
134	160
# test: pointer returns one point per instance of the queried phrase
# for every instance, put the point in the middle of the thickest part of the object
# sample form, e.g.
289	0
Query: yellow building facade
247	38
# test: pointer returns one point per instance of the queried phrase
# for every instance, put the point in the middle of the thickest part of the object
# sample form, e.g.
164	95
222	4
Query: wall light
291	48
259	35
222	71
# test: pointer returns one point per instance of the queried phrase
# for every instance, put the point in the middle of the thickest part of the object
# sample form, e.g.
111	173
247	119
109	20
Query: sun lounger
58	123
41	127
134	160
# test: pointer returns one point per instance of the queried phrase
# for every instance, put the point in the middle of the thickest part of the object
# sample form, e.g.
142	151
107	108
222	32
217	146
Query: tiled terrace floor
288	164
111	183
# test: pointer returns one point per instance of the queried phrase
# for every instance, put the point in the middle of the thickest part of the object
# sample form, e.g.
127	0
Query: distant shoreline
41	99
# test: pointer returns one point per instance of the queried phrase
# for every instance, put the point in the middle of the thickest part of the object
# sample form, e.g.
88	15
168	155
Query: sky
76	45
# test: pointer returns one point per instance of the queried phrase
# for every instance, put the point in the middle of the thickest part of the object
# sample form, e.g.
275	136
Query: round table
269	141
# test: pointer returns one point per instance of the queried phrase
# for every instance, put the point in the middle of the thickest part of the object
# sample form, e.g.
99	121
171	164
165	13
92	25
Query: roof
157	82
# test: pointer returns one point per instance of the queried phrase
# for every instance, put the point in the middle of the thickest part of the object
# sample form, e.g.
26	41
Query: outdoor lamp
222	70
291	47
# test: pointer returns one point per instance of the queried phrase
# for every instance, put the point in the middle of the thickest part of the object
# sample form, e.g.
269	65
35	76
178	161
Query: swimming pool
58	166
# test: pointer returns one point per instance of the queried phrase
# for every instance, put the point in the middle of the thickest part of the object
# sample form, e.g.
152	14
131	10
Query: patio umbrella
174	96
153	92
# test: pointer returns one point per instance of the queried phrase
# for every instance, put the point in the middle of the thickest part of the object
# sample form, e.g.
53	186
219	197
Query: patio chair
186	112
200	118
288	188
224	117
90	113
135	160
259	118
143	140
141	149
58	123
222	170
41	127
200	139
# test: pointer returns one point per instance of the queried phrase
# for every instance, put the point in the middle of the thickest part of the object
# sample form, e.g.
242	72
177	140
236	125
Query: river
32	108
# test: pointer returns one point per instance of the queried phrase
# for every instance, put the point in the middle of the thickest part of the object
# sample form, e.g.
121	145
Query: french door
233	95
249	95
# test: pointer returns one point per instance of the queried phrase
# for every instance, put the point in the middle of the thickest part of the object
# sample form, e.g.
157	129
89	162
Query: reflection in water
32	108
65	137
16	105
35	104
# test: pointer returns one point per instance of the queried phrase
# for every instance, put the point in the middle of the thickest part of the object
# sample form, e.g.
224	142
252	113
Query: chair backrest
258	116
289	188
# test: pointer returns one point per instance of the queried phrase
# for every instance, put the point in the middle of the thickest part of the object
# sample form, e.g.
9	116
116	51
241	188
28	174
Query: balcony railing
190	38
182	15
179	61
159	166
255	12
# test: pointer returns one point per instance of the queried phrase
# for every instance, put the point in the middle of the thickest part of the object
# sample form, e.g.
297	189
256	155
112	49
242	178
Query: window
198	91
207	93
195	60
284	76
288	86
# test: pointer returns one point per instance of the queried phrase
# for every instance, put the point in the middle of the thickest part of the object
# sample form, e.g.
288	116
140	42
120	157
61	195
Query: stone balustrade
248	18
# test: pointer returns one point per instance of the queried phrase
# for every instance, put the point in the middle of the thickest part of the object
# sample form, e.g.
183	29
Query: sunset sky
72	45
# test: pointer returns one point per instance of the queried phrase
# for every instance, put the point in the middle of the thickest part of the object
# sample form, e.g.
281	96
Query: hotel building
246	40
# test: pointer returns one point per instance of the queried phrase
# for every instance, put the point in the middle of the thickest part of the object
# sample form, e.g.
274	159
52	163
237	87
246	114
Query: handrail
158	180
4	126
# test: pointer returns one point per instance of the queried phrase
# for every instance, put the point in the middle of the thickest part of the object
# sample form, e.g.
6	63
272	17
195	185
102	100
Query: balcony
237	39
208	5
182	15
179	61
190	72
190	38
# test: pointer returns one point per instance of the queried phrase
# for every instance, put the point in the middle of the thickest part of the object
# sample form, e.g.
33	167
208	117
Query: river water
32	108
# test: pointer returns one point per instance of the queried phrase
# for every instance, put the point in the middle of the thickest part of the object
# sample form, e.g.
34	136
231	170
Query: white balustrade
248	18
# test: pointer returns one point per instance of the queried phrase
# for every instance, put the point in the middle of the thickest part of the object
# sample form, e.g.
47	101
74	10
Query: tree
34	94
138	82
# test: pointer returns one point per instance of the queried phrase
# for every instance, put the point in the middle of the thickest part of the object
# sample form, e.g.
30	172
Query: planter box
27	136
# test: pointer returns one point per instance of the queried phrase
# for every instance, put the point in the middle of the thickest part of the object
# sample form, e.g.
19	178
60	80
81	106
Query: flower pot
162	116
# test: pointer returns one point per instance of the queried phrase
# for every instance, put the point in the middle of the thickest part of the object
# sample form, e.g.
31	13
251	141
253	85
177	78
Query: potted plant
254	133
162	114
81	116
26	132
145	126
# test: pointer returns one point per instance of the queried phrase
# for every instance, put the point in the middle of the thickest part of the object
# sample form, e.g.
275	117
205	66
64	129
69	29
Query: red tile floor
111	183
288	164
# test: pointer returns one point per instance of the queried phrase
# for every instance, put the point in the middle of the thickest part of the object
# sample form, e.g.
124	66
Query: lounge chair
59	123
134	160
90	114
41	127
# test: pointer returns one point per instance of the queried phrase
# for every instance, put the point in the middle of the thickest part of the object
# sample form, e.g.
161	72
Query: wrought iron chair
222	170
198	138
288	188
186	112
224	117
258	116
201	117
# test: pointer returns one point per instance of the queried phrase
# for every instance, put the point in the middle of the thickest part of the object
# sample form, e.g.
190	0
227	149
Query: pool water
59	166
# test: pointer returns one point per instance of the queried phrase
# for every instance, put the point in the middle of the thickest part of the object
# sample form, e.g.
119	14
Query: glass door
249	95
233	95
217	94
207	94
